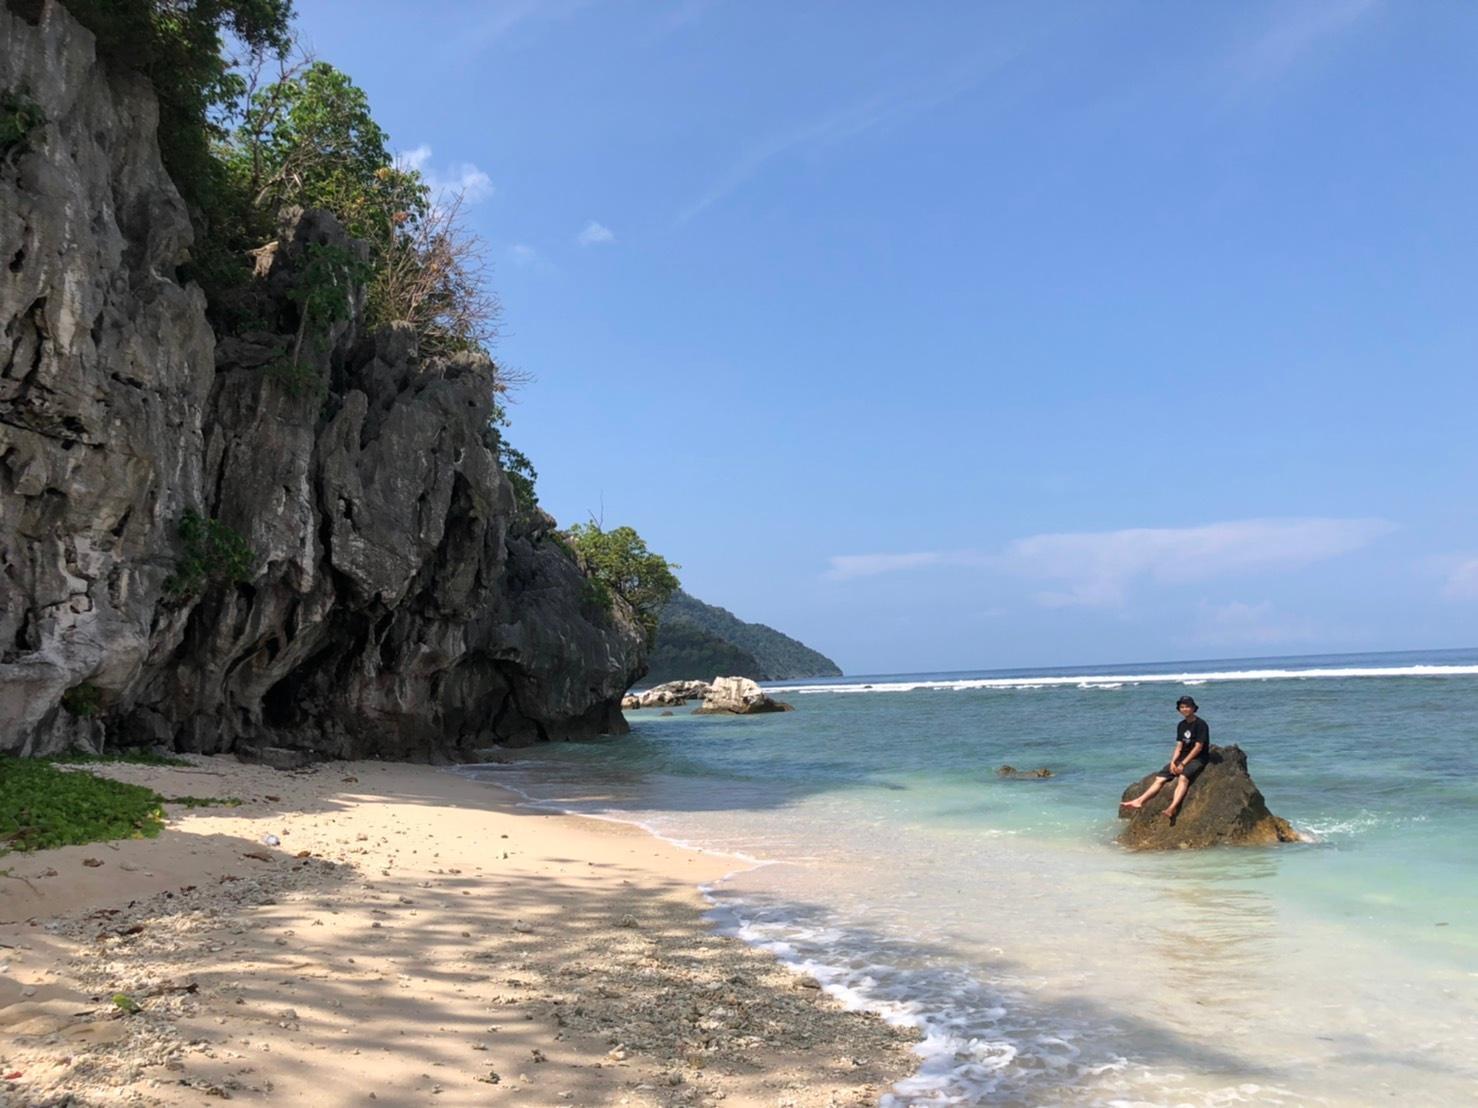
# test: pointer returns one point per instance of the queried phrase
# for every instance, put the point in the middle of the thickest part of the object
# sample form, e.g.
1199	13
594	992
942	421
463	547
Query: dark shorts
1190	771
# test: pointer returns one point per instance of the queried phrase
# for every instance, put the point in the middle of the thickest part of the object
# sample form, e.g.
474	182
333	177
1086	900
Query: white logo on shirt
1187	734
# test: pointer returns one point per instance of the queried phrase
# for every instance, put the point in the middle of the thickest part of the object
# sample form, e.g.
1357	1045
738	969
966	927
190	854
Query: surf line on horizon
1116	679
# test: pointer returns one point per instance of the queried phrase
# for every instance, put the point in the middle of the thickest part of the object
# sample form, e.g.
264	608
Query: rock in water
1011	773
1223	807
738	696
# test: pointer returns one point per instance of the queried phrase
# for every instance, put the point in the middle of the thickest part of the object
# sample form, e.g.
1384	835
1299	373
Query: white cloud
595	234
1462	582
846	566
460	179
1095	569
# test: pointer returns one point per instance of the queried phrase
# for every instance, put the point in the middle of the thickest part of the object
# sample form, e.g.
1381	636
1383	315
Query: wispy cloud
682	14
846	566
595	234
502	19
1242	624
459	179
1098	568
873	111
1462	581
1095	569
1298	30
523	254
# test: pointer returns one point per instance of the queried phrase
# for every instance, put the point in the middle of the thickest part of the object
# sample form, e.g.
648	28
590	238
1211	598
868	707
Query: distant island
698	640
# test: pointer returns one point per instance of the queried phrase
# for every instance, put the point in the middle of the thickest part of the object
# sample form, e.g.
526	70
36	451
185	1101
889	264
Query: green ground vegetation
126	757
43	805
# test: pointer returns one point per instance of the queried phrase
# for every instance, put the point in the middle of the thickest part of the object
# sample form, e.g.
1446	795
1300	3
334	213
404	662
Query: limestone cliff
398	603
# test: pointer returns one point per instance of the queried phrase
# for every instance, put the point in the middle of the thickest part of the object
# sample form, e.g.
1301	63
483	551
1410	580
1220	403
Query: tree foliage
778	656
619	560
180	46
310	139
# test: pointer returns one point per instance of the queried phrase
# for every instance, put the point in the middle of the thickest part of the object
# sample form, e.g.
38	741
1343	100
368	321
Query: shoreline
415	936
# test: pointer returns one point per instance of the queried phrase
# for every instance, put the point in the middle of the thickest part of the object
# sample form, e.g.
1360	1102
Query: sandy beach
411	937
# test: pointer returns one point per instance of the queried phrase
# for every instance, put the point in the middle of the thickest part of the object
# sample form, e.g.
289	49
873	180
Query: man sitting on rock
1192	741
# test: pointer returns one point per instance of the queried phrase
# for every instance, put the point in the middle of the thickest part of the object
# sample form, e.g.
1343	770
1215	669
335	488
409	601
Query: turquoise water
1045	964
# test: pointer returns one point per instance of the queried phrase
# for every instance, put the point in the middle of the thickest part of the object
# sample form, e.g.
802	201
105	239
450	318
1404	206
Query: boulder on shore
738	696
671	694
1223	807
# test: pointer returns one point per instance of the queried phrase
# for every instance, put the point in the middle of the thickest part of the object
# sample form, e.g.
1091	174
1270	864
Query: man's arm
1175	761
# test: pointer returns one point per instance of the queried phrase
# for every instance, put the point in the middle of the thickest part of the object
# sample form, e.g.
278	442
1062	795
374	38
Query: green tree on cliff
618	560
309	138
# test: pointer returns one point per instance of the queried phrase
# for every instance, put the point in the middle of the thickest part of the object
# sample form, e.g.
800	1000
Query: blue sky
958	335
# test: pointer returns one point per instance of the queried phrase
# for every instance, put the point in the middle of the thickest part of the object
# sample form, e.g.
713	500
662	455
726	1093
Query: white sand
414	937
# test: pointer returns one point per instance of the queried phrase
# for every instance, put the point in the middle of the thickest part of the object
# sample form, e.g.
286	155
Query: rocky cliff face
397	602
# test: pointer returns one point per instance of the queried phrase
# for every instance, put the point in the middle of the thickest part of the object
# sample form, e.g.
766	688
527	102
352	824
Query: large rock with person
738	696
1222	808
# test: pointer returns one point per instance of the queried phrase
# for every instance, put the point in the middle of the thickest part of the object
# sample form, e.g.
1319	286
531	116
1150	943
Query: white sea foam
1109	680
1320	830
978	1043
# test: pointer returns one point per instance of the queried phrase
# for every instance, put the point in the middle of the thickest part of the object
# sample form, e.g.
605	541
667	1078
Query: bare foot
1170	814
1135	804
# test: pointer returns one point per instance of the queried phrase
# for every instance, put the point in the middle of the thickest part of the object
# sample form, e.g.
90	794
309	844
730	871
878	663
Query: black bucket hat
1188	700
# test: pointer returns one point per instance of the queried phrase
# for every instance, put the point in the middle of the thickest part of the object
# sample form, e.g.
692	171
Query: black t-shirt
1191	732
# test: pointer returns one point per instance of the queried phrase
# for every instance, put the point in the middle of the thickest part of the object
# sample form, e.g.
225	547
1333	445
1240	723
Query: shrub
20	118
83	700
213	554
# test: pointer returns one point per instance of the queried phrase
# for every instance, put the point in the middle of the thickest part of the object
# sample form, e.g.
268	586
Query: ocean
876	847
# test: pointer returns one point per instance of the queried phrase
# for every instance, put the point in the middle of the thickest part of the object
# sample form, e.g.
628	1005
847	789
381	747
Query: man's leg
1155	786
1181	785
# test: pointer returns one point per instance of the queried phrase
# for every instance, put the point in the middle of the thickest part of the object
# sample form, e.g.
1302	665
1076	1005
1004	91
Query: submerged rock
1011	773
1223	807
738	696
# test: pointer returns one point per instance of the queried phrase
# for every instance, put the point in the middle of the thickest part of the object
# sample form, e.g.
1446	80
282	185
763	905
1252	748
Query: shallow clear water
1045	964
